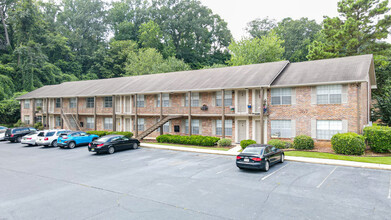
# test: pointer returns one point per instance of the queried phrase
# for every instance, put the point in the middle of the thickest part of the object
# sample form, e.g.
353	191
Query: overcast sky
237	13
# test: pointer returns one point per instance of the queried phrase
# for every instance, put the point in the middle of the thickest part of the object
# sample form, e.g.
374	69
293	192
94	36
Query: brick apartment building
260	101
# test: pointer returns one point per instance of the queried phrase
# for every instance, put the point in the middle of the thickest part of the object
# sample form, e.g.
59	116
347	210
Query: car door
127	144
267	154
116	143
274	154
76	138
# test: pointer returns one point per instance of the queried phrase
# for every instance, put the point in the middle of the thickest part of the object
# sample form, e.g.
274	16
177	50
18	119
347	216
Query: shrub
99	133
224	142
38	126
188	140
245	143
348	143
20	124
379	138
277	143
303	142
288	144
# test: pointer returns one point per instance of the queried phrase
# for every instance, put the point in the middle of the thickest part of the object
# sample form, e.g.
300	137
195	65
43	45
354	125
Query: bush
224	142
303	142
245	143
103	133
20	124
277	143
38	126
379	138
99	133
188	140
288	144
348	143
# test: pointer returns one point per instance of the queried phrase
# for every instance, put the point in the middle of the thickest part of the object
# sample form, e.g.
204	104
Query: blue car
75	138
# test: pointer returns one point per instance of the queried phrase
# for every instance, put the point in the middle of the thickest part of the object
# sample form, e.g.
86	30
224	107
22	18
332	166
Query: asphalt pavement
53	183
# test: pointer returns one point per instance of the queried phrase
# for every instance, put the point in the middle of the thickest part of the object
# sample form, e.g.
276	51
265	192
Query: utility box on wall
177	128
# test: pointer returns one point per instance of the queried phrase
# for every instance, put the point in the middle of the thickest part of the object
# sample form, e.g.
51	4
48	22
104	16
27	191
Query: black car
259	156
16	134
111	143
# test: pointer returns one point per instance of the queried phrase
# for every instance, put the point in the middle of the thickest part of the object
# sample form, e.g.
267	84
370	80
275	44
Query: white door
257	101
127	124
127	104
257	131
242	101
242	130
51	105
51	122
119	124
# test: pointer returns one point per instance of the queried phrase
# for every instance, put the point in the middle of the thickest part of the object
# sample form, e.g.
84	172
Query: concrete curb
290	158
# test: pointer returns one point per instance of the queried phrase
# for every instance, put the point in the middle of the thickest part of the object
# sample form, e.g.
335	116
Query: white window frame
195	126
283	95
141	124
108	123
58	103
38	103
58	121
89	103
195	99
325	129
72	103
140	101
26	119
281	128
108	102
26	104
227	98
329	91
228	127
90	123
166	100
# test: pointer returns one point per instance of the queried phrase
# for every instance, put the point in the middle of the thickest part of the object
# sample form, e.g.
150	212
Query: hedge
348	144
379	138
303	142
245	143
103	133
224	142
277	143
188	140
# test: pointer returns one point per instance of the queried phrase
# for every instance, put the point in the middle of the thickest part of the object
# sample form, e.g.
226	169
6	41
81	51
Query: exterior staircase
156	126
66	118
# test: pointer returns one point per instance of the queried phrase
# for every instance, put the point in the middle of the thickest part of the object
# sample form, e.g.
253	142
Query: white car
50	138
2	133
31	138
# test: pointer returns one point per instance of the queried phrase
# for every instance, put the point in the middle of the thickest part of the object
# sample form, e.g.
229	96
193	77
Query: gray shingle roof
345	69
337	70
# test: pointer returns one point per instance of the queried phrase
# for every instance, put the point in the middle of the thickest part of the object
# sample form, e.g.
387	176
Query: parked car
31	138
16	134
76	138
50	138
112	143
257	156
2	133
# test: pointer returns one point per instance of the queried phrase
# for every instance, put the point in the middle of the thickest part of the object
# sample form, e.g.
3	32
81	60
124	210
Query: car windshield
41	134
253	150
59	132
104	139
49	134
1	128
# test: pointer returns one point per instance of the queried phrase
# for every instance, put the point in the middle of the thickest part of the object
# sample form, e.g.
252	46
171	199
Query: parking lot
53	183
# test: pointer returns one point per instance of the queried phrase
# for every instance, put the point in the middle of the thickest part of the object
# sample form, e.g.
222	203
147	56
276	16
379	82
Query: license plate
246	160
92	149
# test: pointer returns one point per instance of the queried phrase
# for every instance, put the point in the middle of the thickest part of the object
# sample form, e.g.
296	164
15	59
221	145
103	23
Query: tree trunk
5	27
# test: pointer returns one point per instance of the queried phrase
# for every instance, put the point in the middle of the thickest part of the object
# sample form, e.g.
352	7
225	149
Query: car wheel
54	143
135	145
111	150
267	166
282	158
71	145
19	139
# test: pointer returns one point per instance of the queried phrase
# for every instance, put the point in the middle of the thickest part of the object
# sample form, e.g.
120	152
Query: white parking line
389	190
326	178
224	170
265	177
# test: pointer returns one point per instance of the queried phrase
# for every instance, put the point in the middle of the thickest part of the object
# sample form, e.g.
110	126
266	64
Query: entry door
51	122
127	124
258	131
242	130
119	124
242	101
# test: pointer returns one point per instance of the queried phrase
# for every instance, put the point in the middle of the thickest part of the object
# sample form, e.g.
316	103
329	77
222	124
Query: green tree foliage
151	36
250	51
260	27
10	109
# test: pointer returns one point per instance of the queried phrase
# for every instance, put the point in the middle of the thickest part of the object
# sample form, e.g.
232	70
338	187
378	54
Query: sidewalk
234	152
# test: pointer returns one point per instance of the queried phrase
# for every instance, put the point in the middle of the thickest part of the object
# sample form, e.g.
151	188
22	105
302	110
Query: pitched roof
276	74
336	70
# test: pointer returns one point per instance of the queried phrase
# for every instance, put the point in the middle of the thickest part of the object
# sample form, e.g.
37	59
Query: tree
250	51
260	27
10	109
151	36
297	35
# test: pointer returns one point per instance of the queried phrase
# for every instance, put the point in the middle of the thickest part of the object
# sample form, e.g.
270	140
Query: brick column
33	106
77	111
47	113
95	113
223	113
135	117
261	115
161	112
113	102
62	113
189	118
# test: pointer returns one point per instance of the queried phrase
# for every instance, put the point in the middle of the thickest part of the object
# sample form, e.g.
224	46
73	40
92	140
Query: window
166	126
108	124
329	94
90	123
90	102
195	99
58	103
39	119
140	124
108	102
140	100
72	103
195	126
326	129
166	100
26	104
281	128
72	122
58	121
27	119
38	103
228	127
281	96
227	98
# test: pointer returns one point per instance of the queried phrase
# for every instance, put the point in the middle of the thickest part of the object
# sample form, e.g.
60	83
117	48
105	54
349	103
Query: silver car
32	137
50	138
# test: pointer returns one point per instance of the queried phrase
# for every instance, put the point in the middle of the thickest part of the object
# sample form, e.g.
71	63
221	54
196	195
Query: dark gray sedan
260	157
111	143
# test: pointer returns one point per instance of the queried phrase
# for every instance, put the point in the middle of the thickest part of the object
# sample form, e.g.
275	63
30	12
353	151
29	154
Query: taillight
29	138
256	159
46	139
100	145
89	144
238	157
12	135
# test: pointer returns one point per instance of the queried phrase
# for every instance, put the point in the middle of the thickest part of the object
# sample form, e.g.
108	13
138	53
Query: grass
378	160
193	146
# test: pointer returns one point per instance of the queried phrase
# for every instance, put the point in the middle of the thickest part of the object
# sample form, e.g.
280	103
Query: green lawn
379	160
192	146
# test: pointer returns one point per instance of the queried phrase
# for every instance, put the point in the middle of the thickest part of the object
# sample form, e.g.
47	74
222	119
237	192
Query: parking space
53	183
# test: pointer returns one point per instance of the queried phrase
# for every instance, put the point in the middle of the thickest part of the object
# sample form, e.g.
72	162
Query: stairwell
156	126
